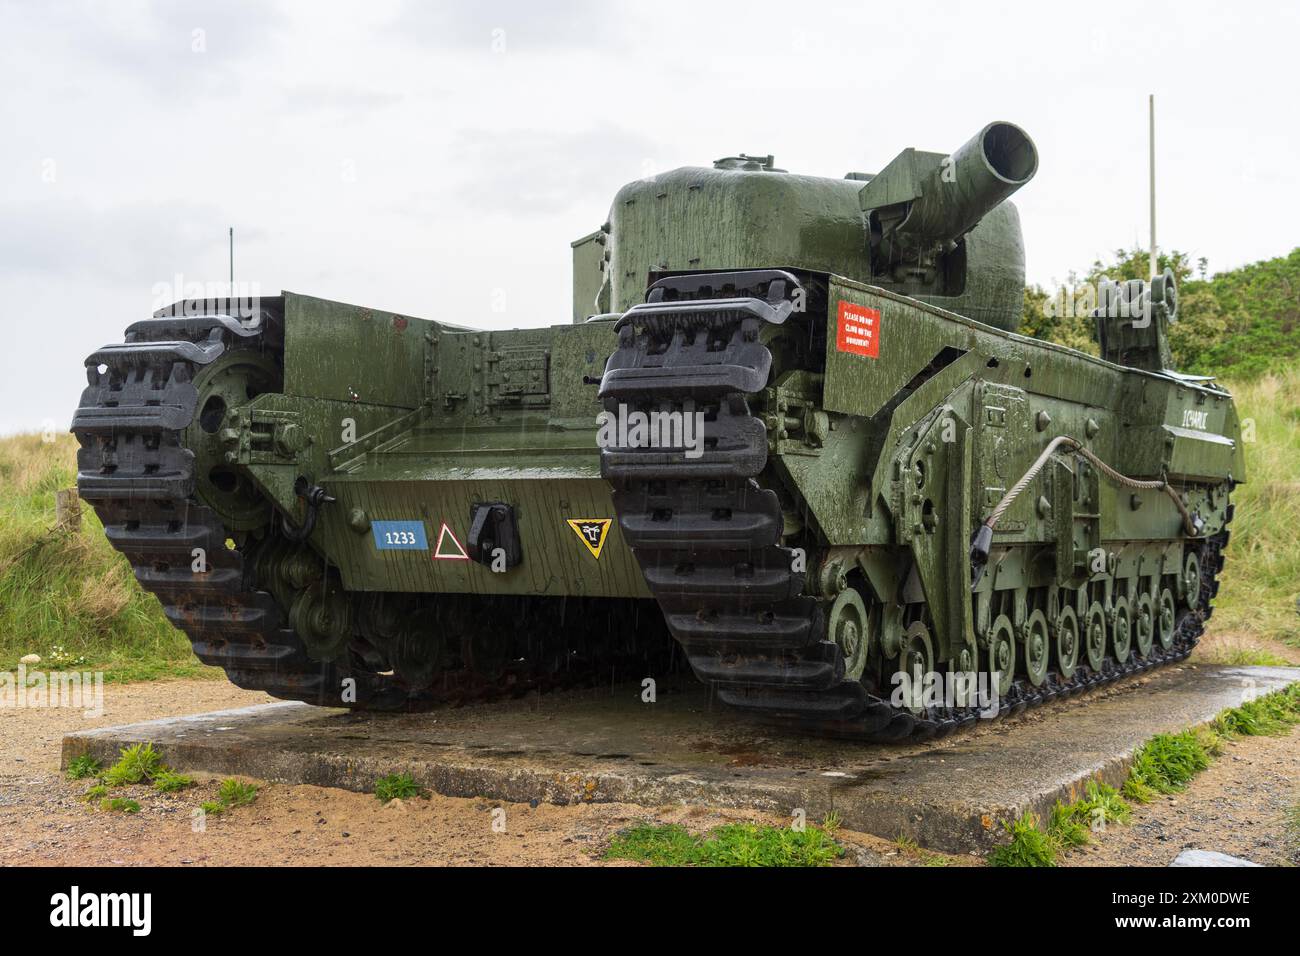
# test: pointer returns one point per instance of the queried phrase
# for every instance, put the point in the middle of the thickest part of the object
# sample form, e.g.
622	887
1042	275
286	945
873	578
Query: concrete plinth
610	746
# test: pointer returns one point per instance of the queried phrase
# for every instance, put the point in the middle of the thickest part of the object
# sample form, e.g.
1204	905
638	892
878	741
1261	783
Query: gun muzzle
962	189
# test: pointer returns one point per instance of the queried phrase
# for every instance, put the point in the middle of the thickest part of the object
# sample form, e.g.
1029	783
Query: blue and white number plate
400	535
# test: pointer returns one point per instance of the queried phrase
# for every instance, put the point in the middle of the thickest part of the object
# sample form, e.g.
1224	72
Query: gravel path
1239	806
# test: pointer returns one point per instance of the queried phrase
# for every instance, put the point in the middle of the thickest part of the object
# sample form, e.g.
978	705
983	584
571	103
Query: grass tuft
169	781
1065	827
1029	845
235	793
735	844
137	764
397	786
1165	764
79	768
120	804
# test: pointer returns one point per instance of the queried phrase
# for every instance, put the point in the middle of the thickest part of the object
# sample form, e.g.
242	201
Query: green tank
788	436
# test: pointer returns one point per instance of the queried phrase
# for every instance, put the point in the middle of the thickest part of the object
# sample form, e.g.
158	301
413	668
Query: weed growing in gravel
1101	802
397	786
1029	845
906	844
79	768
95	792
120	804
735	844
1065	827
1165	764
169	781
1267	715
137	764
233	793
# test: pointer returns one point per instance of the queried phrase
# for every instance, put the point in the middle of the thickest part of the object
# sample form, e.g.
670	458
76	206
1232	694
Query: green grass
137	764
169	781
1244	657
1065	826
1271	714
735	844
68	596
120	804
231	793
1029	845
1260	581
1101	804
95	792
397	786
234	793
79	768
1165	764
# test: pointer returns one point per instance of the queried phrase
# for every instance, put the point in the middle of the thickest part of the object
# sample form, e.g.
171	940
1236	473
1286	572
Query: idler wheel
848	628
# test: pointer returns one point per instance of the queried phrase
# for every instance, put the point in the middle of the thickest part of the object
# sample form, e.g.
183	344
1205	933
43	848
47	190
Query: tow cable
982	541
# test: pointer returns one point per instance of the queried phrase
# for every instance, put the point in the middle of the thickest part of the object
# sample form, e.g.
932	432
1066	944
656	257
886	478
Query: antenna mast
1151	102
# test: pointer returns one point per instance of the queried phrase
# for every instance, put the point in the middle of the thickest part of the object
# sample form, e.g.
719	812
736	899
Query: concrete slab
610	746
1209	858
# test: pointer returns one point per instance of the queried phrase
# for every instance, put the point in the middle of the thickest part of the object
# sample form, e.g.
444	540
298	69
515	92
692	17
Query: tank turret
930	225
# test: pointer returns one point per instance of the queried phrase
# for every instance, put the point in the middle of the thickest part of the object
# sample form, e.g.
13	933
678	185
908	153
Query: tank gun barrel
924	202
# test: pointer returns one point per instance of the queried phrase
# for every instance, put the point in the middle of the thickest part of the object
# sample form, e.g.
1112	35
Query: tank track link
708	535
134	469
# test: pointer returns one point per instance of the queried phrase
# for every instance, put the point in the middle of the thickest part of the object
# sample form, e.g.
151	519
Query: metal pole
232	256
1152	140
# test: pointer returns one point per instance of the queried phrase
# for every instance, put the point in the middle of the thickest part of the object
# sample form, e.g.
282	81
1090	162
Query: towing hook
314	496
980	546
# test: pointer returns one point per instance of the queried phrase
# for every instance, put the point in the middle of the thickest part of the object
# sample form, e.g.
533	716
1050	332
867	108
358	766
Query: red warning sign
859	330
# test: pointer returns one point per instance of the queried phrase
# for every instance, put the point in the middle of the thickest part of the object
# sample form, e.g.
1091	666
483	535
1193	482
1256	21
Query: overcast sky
420	157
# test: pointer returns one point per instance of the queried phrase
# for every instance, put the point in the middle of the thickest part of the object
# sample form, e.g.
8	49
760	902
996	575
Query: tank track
708	536
134	469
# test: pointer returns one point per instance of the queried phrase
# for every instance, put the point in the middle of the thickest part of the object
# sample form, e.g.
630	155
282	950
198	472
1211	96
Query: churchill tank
787	436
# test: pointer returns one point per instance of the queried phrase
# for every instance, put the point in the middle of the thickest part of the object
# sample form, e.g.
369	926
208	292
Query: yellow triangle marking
457	555
591	532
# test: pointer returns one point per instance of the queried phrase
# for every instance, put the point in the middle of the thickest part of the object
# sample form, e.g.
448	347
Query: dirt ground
1238	806
43	821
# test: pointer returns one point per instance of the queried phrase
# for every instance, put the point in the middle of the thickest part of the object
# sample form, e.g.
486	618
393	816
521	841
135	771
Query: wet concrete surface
608	745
